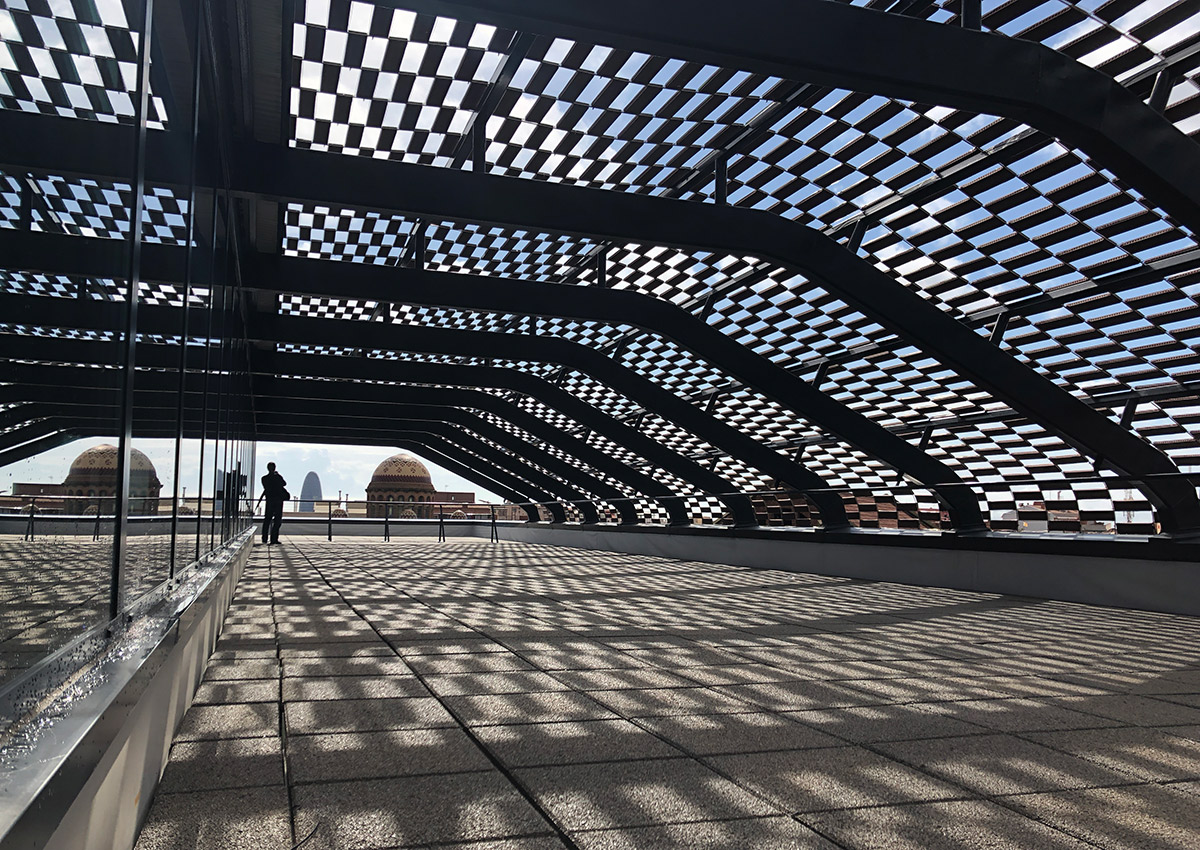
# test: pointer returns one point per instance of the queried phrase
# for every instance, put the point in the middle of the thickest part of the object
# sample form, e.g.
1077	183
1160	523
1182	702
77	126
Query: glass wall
126	440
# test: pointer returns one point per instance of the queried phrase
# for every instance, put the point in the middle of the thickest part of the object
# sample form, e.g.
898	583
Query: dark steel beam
269	363
355	335
454	405
886	54
466	471
70	255
466	457
353	180
292	400
651	314
624	307
304	398
285	409
740	232
30	440
555	398
474	135
73	425
545	349
47	384
451	446
523	476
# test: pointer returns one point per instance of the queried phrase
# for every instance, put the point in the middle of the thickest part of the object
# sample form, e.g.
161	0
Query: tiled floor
371	695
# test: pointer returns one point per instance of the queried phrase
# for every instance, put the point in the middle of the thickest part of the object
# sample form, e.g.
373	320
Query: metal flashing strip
49	756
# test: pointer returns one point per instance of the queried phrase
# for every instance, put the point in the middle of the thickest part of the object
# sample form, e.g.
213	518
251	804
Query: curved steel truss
922	264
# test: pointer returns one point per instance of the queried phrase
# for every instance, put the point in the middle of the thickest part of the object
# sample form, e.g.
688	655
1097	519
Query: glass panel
56	526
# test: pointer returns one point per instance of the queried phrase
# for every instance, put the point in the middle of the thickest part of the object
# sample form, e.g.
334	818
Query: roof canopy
633	261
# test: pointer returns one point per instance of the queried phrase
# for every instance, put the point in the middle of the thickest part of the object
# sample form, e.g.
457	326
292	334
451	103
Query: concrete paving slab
1092	693
425	646
239	720
504	709
353	687
374	755
611	680
1002	764
1024	715
1137	817
800	695
321	651
638	793
1134	710
1148	754
920	689
577	742
494	682
220	671
952	825
265	654
413	811
659	702
237	690
749	673
595	658
364	715
529	842
228	763
475	662
766	833
447	633
690	655
872	723
840	778
1192	733
358	666
219	820
713	734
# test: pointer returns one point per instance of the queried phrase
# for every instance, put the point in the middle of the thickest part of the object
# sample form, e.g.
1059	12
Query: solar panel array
1015	234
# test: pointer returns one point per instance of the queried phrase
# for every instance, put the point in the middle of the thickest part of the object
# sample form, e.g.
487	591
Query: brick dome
104	457
402	471
400	479
93	476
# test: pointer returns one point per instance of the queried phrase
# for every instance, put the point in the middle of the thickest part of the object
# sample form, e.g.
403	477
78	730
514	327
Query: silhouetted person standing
274	490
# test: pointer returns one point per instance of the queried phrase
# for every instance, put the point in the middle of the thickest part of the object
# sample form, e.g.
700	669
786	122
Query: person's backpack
287	497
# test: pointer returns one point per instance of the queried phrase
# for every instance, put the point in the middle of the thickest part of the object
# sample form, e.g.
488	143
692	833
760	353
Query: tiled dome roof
104	457
401	469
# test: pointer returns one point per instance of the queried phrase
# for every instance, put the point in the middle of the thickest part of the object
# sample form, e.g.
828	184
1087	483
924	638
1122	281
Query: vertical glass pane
56	529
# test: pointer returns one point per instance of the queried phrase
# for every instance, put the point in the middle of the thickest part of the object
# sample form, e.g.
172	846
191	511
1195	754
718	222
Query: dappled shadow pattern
523	696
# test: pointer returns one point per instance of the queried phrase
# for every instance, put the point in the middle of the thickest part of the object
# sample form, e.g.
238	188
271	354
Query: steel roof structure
666	262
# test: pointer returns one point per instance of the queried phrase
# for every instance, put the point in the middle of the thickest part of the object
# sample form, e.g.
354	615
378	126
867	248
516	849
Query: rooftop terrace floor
414	693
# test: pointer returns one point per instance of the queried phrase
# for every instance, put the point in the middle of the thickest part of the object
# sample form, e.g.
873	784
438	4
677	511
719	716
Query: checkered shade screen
72	59
1019	236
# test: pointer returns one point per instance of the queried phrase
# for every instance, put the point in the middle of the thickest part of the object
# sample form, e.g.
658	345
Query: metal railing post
329	536
387	515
